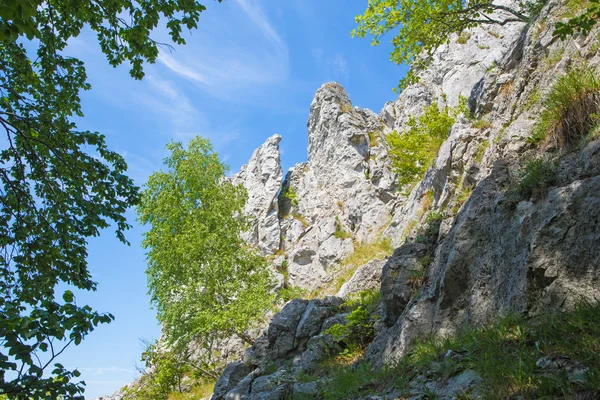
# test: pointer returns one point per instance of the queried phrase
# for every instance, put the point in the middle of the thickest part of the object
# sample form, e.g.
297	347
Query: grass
412	224
302	219
534	97
288	293
365	252
346	108
480	152
426	202
534	179
418	276
434	216
340	233
553	58
571	109
461	197
482	123
374	137
507	355
198	391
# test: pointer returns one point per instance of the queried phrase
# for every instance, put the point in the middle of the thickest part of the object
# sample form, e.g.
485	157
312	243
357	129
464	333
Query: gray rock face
367	277
230	378
396	287
542	254
262	179
346	185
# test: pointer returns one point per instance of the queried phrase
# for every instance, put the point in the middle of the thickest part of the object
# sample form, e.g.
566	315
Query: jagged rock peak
261	177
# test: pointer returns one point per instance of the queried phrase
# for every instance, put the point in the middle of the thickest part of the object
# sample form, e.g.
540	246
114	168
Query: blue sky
248	72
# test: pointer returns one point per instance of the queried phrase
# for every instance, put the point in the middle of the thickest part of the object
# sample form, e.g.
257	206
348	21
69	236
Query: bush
413	151
289	194
571	109
357	332
535	179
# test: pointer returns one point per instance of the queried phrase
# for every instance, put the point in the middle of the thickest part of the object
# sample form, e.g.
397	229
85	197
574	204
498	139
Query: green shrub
535	178
357	332
164	378
413	151
434	216
289	194
571	109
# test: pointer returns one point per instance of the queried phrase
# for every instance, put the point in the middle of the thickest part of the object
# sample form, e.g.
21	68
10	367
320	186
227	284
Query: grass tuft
571	109
509	355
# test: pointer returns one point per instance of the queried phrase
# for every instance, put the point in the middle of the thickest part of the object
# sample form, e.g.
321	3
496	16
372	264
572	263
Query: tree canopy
204	280
421	26
60	185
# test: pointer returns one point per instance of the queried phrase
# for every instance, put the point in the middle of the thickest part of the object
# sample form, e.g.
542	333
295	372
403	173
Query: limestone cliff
485	257
479	252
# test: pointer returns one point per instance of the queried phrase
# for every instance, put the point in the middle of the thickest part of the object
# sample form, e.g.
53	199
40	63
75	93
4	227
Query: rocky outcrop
293	343
481	256
344	186
465	251
261	177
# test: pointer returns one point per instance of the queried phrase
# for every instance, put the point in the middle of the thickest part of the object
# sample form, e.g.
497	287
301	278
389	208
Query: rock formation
482	255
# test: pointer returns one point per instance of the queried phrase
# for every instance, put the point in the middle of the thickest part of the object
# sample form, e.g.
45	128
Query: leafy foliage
60	185
204	281
571	109
421	26
288	193
582	23
164	372
358	331
413	151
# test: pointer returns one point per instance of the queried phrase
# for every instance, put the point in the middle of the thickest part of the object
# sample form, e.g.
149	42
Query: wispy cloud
334	66
252	56
96	371
258	17
179	68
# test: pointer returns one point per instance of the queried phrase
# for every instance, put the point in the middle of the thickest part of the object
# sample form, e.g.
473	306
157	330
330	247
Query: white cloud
255	13
340	65
236	60
179	68
334	67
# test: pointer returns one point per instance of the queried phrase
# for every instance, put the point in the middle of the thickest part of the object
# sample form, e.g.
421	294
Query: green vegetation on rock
571	109
551	355
412	152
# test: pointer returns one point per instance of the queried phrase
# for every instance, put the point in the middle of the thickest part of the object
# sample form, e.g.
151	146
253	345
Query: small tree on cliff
204	280
422	26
